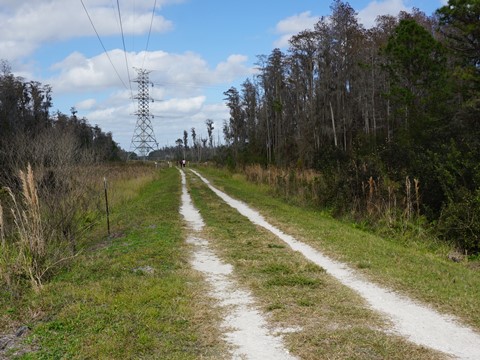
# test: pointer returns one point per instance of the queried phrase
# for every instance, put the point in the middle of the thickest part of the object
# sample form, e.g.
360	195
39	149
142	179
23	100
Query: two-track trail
245	327
416	322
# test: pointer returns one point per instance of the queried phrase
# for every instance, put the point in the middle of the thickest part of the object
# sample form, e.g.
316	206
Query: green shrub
460	220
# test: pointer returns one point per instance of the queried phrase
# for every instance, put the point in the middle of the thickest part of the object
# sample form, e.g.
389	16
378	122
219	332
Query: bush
460	221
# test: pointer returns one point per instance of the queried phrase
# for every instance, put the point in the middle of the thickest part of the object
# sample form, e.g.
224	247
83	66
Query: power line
149	32
115	13
103	46
124	48
143	139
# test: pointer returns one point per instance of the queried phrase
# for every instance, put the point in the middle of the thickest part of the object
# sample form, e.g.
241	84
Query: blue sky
197	50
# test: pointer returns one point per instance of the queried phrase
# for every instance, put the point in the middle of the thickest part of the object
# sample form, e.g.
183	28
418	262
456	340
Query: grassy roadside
129	296
332	321
420	270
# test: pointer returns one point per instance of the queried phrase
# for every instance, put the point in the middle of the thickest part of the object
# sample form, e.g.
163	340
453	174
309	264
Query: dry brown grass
29	254
29	220
373	198
26	251
304	185
2	230
53	210
124	180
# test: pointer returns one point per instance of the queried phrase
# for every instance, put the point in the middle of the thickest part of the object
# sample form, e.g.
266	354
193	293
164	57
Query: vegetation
379	125
41	234
29	133
371	110
128	295
331	320
47	199
416	265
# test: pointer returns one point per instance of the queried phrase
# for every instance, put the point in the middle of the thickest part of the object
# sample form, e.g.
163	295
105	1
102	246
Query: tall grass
377	200
52	211
2	230
30	254
307	186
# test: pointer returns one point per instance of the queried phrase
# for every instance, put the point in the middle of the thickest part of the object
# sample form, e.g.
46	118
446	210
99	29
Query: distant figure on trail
184	163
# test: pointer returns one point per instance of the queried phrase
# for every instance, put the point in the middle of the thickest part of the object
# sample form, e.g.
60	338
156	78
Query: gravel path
416	322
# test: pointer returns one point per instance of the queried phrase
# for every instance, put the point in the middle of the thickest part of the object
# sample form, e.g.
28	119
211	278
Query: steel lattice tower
143	139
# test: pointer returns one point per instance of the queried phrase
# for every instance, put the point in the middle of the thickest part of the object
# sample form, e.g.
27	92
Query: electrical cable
103	46
149	32
124	48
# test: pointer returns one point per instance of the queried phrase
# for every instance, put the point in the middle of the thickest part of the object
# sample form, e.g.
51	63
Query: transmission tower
143	139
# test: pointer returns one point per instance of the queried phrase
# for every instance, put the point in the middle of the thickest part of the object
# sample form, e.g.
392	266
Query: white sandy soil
416	322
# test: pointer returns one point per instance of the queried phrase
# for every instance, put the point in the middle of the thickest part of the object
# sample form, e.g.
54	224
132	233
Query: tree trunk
333	126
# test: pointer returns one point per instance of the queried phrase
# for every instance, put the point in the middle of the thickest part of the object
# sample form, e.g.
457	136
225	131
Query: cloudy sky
88	50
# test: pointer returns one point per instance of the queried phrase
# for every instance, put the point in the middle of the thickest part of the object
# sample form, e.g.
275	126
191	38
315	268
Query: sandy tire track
416	322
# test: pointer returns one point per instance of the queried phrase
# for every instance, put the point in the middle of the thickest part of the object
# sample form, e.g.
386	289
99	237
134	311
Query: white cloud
86	104
231	69
368	15
173	74
179	107
78	73
103	116
25	26
293	25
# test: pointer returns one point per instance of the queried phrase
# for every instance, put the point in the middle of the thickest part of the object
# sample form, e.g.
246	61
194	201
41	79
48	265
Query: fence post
106	204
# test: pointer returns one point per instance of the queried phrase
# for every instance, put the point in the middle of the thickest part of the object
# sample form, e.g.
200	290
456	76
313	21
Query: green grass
135	296
132	296
419	269
335	322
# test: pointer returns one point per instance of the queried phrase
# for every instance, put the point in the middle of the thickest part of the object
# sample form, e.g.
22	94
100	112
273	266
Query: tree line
49	195
30	133
400	99
193	148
